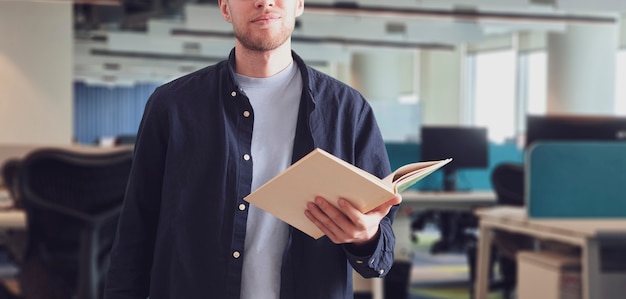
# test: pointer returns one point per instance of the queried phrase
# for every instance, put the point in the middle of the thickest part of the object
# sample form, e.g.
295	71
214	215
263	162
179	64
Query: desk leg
378	288
591	270
481	285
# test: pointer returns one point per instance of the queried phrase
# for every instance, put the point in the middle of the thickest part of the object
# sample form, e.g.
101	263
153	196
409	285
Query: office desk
12	219
420	200
413	201
447	200
588	234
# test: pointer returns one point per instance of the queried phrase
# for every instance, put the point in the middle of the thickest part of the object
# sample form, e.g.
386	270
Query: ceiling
123	42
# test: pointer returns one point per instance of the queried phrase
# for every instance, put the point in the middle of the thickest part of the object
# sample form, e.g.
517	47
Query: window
504	89
536	82
493	92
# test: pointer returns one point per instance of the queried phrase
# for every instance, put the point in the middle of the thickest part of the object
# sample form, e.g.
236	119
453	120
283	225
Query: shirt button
234	93
381	271
236	254
359	262
246	157
242	207
246	113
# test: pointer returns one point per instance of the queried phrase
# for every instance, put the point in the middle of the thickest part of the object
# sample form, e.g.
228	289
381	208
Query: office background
67	77
450	62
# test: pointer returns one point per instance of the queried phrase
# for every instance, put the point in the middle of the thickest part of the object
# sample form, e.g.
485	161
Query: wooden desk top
480	196
589	227
15	219
462	200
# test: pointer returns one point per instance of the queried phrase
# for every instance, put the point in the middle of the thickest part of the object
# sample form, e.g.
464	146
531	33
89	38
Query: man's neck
259	64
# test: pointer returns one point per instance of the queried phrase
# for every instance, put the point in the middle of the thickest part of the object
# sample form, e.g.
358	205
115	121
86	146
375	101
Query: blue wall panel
108	111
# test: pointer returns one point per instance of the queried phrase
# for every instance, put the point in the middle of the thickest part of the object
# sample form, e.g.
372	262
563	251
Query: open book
319	173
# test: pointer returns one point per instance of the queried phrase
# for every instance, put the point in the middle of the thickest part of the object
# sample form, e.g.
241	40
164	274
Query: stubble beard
264	42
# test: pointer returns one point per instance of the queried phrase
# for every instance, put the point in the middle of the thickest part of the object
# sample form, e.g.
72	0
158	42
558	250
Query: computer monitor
574	128
467	146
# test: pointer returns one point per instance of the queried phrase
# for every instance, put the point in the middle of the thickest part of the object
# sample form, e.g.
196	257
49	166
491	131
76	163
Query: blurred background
78	73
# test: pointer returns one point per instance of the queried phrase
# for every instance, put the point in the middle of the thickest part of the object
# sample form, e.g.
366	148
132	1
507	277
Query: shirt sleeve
371	156
378	263
131	256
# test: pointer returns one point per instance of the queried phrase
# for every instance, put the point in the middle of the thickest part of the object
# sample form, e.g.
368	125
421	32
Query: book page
409	179
407	175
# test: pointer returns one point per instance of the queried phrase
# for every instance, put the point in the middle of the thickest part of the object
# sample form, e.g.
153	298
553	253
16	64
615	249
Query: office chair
455	229
72	200
507	180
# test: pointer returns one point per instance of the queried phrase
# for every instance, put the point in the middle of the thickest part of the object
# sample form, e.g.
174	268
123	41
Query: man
210	138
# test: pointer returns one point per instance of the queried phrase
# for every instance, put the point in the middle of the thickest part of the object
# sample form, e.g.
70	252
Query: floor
439	276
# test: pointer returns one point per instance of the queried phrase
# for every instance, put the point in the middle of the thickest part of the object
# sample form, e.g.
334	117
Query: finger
321	218
396	200
333	214
353	215
330	234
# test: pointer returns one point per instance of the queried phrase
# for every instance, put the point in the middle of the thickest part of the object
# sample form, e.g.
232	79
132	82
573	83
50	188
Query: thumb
386	206
396	200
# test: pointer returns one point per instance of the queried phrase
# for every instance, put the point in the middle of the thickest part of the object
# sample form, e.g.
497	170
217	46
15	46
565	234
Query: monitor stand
450	223
449	179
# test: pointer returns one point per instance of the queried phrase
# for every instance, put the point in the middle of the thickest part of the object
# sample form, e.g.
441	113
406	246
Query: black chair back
507	179
72	200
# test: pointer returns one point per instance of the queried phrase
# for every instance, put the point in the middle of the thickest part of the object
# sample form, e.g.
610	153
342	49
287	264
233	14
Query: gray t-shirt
275	101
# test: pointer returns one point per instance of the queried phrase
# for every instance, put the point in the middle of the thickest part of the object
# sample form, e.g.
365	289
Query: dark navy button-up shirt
182	228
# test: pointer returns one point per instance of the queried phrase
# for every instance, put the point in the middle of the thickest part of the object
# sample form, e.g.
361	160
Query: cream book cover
320	173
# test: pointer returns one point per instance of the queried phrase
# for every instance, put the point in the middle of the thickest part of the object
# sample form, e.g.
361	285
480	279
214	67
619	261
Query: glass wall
492	79
534	65
502	94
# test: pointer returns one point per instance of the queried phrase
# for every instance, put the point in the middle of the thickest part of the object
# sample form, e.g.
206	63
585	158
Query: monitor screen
574	127
467	146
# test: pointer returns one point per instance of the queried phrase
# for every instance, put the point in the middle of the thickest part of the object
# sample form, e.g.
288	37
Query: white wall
35	73
383	74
